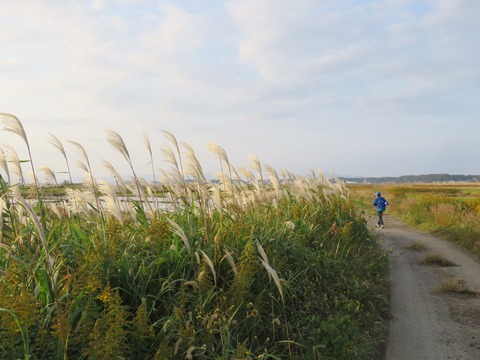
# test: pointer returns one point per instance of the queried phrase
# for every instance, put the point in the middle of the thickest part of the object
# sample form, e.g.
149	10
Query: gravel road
426	323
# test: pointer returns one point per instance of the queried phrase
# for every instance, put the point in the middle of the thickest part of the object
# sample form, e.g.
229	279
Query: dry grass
455	286
417	246
436	259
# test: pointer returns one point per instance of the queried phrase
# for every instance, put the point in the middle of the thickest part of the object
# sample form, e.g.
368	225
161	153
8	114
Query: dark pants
380	218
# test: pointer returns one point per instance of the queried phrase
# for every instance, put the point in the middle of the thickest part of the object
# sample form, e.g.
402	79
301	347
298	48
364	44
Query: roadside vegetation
455	286
259	264
417	246
448	210
436	259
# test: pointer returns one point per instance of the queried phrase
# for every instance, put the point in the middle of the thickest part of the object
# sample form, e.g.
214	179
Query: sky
346	87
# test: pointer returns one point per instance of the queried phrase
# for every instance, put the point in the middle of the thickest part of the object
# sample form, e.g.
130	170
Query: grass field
449	210
259	265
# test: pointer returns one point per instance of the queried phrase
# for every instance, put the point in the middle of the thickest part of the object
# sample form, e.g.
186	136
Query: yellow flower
106	295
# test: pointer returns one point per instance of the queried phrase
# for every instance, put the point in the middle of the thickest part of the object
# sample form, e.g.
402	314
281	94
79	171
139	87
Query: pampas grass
13	125
248	303
210	265
50	177
118	179
55	142
271	272
116	141
110	199
14	164
179	231
3	164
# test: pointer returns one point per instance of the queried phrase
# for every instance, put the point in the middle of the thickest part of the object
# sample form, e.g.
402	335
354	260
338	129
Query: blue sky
350	87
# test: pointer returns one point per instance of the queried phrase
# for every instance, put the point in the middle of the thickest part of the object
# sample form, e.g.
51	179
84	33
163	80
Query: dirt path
427	324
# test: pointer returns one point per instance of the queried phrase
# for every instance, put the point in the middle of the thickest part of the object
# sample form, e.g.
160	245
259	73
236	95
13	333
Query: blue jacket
380	203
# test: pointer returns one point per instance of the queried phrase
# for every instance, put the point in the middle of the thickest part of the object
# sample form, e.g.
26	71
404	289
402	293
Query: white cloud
303	82
177	30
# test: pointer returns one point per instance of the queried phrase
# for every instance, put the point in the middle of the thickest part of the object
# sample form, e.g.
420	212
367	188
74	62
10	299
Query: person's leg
380	218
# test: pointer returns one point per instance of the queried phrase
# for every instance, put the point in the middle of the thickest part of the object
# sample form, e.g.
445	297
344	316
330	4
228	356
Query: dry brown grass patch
417	246
455	286
436	259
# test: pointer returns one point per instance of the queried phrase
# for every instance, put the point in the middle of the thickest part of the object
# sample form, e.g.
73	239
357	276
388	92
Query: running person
381	205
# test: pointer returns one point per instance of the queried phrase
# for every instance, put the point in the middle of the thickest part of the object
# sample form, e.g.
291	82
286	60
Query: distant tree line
427	178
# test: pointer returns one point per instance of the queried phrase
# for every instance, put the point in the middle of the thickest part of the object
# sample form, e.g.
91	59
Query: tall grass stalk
49	261
246	268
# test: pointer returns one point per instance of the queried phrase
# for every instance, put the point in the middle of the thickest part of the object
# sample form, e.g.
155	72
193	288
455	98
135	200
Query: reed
272	265
13	125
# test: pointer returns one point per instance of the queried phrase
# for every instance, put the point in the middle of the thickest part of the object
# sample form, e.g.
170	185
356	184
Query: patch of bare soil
428	323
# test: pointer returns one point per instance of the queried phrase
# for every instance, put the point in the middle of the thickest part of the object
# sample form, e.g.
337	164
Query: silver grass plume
287	175
110	200
193	165
274	179
173	176
83	166
3	164
116	141
174	141
231	261
272	273
146	190
311	174
14	162
170	155
179	231
174	189
146	141
81	150
50	177
59	146
53	208
222	156
216	197
56	143
88	170
178	165
122	187
210	265
79	200
226	183
13	125
118	179
251	179
193	168
247	173
256	165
